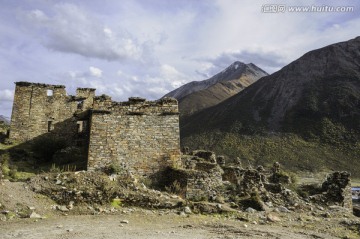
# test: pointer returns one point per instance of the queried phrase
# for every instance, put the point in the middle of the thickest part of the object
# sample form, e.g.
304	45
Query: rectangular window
49	126
49	92
80	126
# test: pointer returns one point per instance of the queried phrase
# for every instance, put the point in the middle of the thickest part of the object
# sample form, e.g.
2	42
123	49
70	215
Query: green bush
116	203
254	201
309	190
4	164
114	168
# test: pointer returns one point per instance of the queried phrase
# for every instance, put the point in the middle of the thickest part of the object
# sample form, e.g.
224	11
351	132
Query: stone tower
41	108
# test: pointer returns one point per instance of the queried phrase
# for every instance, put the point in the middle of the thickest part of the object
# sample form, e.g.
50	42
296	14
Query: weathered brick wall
142	136
40	108
85	98
202	184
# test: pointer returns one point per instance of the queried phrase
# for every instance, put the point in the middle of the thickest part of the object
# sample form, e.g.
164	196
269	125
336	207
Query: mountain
316	95
198	95
4	119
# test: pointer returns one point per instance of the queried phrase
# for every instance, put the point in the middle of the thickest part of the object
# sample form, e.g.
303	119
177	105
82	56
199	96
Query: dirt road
146	224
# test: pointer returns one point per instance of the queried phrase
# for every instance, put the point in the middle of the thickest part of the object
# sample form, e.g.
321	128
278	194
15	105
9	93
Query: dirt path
145	224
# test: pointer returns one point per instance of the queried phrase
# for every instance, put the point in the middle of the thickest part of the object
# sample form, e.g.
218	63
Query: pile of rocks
96	188
205	182
335	190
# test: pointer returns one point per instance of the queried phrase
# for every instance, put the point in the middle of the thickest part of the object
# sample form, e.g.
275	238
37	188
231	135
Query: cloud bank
148	48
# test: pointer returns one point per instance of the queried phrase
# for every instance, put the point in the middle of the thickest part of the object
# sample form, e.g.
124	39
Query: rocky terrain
216	201
138	223
198	95
68	205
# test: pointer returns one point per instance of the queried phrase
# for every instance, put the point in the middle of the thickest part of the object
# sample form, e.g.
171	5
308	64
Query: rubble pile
208	177
96	188
205	184
335	190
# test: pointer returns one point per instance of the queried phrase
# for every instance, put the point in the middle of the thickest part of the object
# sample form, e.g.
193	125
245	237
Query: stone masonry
40	108
141	136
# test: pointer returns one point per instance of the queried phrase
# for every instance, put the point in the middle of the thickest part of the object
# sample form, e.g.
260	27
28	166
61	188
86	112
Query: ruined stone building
142	136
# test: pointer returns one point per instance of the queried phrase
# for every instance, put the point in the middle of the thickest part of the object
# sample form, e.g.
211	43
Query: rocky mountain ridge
323	84
5	120
198	95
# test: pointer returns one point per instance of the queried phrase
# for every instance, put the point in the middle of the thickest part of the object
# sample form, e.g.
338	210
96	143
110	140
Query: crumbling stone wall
202	184
39	109
200	176
142	136
337	189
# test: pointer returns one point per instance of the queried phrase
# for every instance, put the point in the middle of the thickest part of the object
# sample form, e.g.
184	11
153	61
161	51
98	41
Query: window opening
80	126
49	126
49	92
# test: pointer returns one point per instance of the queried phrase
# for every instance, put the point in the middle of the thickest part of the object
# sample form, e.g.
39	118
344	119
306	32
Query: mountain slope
318	92
198	95
4	119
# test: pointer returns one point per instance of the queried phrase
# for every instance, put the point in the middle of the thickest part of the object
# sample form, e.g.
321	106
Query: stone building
141	136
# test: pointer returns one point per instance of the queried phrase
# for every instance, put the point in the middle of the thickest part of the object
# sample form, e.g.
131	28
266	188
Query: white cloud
148	48
266	59
240	27
95	71
108	32
173	76
73	30
38	15
6	95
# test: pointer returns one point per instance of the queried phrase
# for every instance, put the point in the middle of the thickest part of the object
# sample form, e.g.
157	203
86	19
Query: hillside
4	124
323	84
198	95
315	98
4	120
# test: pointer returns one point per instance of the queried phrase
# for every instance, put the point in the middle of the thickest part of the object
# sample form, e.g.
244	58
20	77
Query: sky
147	48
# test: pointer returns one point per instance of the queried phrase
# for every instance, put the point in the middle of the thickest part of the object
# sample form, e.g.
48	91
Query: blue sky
147	48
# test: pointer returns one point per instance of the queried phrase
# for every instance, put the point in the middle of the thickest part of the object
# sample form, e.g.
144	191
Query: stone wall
337	189
200	176
202	184
142	136
39	109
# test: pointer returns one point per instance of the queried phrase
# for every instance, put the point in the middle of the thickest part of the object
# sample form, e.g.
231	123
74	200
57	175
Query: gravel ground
149	224
138	223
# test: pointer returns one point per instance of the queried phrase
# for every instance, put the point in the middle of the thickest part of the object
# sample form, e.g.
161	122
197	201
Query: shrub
174	188
114	168
309	190
254	201
4	163
281	177
116	203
